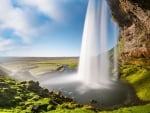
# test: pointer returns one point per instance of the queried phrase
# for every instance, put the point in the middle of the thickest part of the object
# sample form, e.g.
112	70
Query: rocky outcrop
28	94
133	18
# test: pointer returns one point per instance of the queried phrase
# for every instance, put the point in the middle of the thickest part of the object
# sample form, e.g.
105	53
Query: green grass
28	97
77	110
134	109
40	66
58	110
139	77
43	68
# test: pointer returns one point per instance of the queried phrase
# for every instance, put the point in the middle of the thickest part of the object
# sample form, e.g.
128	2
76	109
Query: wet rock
133	18
35	108
58	93
93	101
89	107
70	105
29	95
51	107
3	84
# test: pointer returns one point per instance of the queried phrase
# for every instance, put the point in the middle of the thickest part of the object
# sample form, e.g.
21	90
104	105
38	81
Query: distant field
39	65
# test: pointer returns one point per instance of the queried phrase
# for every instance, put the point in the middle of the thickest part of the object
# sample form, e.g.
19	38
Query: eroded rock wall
133	18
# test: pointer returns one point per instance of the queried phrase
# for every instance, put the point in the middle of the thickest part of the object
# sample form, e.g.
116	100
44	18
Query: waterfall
94	80
115	58
94	59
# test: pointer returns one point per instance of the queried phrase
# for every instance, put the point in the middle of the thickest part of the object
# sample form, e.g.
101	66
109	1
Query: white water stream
94	58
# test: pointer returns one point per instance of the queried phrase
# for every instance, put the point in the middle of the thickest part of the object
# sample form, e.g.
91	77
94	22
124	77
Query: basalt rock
133	18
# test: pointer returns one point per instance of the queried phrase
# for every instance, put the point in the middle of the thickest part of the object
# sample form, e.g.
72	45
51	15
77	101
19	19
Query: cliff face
133	18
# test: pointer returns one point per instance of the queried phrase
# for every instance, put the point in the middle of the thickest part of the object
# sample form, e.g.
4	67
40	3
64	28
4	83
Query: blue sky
46	28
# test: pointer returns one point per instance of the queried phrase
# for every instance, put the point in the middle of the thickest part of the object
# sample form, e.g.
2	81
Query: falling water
94	59
115	60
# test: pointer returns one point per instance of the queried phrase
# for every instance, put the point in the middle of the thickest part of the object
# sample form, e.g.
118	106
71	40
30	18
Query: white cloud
32	52
6	44
16	19
52	8
19	18
21	21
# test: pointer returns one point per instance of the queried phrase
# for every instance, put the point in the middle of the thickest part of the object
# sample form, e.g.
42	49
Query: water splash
94	58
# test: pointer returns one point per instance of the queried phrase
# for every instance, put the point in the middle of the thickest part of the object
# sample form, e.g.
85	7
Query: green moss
139	77
134	109
128	70
35	97
121	45
73	66
43	101
77	110
70	105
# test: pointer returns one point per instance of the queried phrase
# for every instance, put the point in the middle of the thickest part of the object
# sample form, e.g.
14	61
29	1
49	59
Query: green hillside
139	77
29	97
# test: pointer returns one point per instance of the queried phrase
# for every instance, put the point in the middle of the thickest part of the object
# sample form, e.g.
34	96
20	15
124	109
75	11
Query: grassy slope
134	109
139	77
58	110
27	97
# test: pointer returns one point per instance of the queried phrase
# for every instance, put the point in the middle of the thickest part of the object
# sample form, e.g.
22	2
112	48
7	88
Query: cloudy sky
43	27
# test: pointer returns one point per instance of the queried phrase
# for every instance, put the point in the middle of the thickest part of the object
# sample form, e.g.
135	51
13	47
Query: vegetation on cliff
139	77
29	97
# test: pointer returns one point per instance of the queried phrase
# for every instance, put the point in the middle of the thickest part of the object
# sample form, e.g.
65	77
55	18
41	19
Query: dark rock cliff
133	18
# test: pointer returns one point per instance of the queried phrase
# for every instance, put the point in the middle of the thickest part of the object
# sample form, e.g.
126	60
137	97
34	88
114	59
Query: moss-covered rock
28	95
